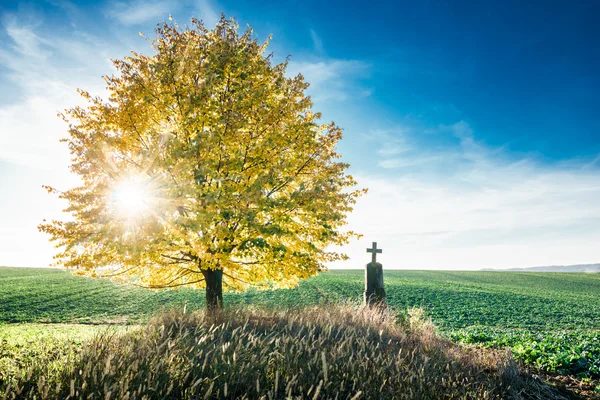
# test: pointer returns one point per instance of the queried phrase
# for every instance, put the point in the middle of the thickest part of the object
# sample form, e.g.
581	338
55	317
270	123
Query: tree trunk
214	288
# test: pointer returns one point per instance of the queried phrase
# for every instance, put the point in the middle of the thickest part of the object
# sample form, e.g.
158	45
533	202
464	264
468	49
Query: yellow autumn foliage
219	159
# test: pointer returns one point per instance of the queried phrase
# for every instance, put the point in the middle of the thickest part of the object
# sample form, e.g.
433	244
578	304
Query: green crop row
566	352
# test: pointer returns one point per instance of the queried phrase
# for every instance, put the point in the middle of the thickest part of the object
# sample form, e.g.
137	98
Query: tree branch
167	286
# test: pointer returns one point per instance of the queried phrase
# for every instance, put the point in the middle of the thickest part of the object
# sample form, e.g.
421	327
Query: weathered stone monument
374	291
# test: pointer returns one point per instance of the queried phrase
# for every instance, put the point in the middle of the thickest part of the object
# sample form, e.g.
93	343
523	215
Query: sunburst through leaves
205	166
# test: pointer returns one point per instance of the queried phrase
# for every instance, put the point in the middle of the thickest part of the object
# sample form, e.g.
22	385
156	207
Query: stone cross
374	290
374	252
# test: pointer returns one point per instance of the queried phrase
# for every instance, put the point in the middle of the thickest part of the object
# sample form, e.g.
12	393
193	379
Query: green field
550	320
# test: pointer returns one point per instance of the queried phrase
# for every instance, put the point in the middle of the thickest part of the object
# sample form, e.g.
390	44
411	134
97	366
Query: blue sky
475	125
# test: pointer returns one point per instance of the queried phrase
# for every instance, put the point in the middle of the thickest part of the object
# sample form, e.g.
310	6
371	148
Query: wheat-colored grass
337	352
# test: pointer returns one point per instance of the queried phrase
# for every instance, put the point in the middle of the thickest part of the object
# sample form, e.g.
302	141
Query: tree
205	162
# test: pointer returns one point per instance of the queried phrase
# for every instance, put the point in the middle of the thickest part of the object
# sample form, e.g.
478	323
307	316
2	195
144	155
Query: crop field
551	321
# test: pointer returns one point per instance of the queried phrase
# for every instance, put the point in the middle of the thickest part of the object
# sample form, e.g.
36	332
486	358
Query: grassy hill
323	352
551	321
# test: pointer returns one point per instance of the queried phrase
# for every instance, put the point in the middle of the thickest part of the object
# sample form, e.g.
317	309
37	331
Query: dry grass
343	352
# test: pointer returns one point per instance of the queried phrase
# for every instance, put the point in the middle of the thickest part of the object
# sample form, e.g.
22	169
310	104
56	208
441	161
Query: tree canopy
205	157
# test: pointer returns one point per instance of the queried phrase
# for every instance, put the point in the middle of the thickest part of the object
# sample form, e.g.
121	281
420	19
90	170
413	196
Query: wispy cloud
470	205
317	42
24	41
333	80
140	12
46	74
207	12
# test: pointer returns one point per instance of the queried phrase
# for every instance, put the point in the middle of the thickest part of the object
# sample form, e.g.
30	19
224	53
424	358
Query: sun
131	197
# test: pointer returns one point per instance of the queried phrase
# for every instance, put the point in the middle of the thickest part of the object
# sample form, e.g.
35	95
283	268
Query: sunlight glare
131	197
